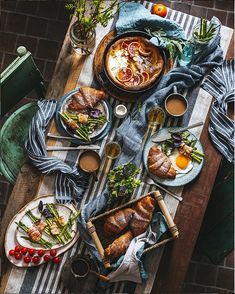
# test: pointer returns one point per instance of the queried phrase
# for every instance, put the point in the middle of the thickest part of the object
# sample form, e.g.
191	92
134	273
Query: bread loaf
117	221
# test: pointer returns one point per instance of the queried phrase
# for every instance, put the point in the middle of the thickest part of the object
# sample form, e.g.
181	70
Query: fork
151	182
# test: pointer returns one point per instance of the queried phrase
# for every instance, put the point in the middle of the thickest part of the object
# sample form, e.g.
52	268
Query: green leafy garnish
173	45
122	181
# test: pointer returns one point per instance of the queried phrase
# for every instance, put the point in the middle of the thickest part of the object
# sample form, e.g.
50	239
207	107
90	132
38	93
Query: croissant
143	215
117	221
119	246
159	164
85	98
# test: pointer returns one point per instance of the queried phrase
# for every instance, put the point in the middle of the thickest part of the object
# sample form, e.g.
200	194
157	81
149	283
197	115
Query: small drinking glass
112	151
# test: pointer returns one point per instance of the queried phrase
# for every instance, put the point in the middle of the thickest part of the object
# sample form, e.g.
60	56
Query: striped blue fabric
69	182
220	84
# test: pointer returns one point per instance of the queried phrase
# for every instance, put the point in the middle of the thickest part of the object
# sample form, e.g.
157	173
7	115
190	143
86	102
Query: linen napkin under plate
70	182
220	84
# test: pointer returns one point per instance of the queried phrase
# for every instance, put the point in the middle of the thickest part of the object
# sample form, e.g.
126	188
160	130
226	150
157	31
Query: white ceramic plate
10	238
63	210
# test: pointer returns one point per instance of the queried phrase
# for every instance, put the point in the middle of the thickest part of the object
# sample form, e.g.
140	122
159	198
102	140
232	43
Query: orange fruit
145	76
134	81
124	45
144	51
133	47
124	74
159	9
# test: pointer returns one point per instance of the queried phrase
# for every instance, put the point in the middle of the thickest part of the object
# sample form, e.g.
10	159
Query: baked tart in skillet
133	63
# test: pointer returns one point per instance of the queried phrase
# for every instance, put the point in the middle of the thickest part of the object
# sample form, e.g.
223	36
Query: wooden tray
97	67
95	227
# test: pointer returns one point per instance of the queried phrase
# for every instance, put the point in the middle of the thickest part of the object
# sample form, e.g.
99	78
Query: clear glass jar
80	45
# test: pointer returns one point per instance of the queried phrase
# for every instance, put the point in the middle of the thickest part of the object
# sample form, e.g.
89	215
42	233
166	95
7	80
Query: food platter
136	55
97	134
12	234
102	77
62	210
181	179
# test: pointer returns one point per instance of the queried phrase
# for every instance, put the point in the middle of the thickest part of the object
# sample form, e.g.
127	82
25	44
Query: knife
63	148
167	136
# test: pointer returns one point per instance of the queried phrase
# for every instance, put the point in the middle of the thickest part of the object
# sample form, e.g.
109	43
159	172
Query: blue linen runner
220	84
46	279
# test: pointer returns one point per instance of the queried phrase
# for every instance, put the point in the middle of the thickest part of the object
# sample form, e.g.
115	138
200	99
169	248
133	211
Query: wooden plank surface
189	217
64	79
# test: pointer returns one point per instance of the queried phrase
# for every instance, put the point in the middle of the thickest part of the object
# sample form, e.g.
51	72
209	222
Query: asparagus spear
42	241
54	211
46	230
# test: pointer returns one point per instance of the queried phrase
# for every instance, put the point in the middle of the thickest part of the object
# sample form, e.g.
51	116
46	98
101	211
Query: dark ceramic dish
104	77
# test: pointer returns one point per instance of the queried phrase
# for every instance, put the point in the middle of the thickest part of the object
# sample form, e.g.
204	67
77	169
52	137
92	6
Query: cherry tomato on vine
27	259
18	255
46	257
41	252
12	252
24	250
17	248
53	252
36	259
31	251
56	259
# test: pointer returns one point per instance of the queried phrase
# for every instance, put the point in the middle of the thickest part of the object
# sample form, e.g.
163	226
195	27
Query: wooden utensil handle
92	231
169	220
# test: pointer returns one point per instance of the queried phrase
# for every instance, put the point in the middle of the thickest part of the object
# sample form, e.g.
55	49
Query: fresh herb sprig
205	31
91	13
173	45
122	181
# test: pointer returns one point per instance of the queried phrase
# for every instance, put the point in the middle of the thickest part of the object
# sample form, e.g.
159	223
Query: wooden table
188	215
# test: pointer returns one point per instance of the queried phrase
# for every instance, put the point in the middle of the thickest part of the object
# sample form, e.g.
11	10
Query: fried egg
181	163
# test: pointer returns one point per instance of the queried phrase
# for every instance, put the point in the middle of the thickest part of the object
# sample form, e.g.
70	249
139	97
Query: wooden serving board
97	67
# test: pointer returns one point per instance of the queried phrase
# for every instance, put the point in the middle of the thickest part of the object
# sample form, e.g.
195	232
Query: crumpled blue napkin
134	16
132	130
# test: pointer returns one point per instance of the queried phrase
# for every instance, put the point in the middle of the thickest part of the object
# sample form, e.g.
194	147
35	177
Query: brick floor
40	26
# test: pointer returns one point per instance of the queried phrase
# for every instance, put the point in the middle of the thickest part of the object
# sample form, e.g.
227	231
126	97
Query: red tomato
56	259
17	248
24	250
27	259
12	252
18	255
46	257
159	9
35	259
53	252
31	251
41	252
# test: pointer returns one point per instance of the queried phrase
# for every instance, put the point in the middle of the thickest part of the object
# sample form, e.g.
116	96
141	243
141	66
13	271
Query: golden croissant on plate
85	98
159	164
